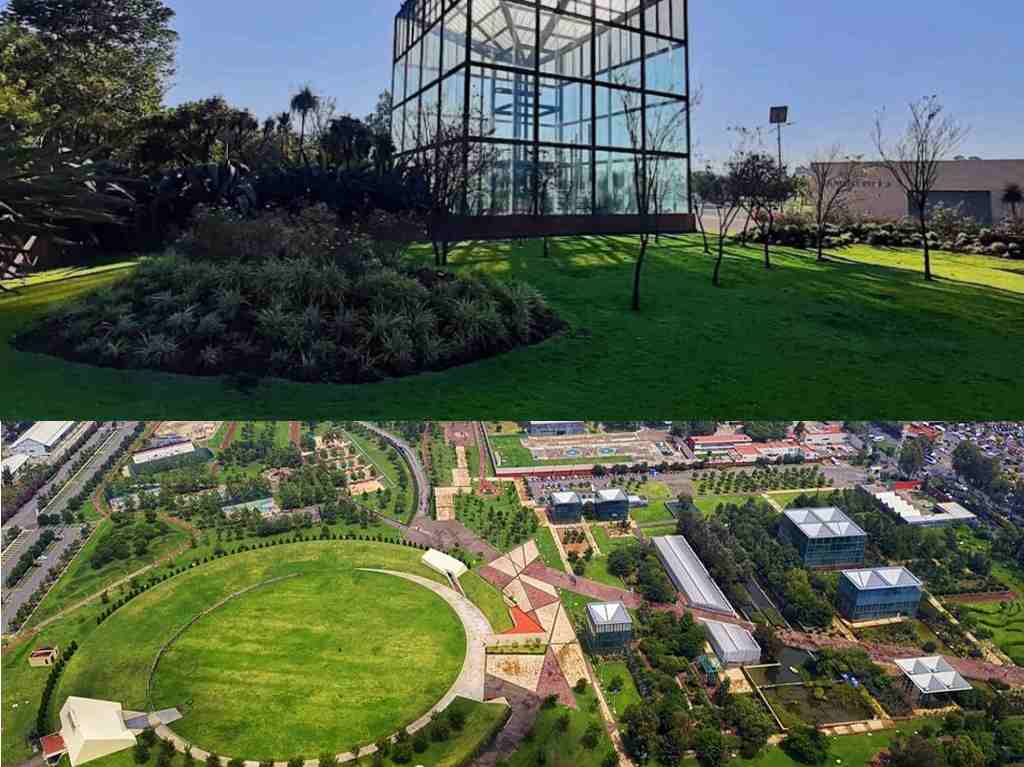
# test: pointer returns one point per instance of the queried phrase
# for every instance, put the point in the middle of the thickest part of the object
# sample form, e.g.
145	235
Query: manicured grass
325	660
607	670
548	548
81	579
597	568
708	503
562	748
868	312
575	605
282	433
1006	621
656	511
668	528
786	497
511	453
488	599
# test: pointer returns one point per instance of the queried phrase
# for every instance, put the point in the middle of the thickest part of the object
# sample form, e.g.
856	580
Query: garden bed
292	298
819	704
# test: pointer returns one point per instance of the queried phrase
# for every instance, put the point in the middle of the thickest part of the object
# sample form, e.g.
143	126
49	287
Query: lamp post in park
779	117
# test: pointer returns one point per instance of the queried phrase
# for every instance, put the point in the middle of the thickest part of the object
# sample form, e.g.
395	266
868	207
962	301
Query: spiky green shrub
293	297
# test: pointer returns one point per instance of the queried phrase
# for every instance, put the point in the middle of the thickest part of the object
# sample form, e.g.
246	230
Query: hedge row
51	683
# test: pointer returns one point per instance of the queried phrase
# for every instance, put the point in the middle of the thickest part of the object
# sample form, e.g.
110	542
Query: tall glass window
568	99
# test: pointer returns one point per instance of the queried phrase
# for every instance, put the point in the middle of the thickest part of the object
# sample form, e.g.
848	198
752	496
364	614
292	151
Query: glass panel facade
571	98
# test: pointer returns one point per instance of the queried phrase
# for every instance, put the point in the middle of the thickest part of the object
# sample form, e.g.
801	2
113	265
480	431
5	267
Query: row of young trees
754	183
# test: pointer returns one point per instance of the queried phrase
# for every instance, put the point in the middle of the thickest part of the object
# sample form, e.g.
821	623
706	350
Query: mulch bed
989	597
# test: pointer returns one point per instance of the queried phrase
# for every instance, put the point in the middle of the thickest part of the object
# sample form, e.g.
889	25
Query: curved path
419	474
469	684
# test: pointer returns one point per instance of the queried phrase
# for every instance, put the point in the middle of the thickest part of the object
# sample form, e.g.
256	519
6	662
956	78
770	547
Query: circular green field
320	662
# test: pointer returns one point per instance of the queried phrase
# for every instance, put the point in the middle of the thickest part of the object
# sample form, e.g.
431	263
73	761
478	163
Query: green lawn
597	568
488	599
290	646
708	503
481	721
81	579
786	497
562	748
656	511
608	670
511	453
868	312
548	548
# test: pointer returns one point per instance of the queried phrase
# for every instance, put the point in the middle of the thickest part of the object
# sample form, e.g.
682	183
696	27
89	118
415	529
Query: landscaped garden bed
292	297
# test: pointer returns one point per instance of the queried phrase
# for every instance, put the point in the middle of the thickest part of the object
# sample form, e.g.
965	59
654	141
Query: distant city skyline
821	62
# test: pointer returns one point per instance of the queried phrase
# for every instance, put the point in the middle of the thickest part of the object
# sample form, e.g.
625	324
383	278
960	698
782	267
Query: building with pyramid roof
825	537
878	593
931	681
609	626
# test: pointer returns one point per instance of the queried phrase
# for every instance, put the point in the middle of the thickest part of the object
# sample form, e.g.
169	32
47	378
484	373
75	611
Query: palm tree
304	102
1013	196
284	130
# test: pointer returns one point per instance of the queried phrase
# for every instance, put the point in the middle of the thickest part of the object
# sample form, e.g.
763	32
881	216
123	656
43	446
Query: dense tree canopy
91	68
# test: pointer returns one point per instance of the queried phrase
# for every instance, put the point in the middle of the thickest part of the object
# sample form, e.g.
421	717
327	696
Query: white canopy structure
734	645
932	675
444	564
689	575
92	729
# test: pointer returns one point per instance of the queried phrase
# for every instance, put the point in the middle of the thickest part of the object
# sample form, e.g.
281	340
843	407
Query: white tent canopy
444	564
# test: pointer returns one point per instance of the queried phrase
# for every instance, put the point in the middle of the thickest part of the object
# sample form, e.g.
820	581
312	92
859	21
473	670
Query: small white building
444	564
41	438
164	451
92	729
14	464
734	645
930	680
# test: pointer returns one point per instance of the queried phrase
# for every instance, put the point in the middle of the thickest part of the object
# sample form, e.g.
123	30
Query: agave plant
183	320
210	326
211	357
155	349
229	301
115	349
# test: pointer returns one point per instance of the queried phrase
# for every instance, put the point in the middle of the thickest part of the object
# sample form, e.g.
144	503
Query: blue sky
834	63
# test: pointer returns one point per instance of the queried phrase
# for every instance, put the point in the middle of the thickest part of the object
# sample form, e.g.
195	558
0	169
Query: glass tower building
569	99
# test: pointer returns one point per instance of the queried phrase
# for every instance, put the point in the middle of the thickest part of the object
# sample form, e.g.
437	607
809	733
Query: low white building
444	564
734	645
930	679
92	729
165	451
41	438
14	464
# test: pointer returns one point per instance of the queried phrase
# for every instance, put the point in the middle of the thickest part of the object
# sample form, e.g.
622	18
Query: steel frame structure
590	92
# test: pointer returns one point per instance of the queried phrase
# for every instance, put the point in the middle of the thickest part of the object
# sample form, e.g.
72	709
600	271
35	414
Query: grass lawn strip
280	644
608	670
488	599
864	301
81	579
709	503
562	747
547	548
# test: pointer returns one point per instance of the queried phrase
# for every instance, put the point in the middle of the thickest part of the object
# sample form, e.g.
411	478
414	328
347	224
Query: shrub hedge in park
949	230
293	296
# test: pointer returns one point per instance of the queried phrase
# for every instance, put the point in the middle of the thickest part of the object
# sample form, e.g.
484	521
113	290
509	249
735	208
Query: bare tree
703	192
649	135
834	177
765	188
913	159
724	196
451	169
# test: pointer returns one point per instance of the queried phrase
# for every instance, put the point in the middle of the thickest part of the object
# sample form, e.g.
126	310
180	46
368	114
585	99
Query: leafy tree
96	67
765	188
710	748
915	751
807	745
911	459
964	752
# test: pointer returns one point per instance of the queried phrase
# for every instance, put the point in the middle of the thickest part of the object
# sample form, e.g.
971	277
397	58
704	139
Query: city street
109	437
